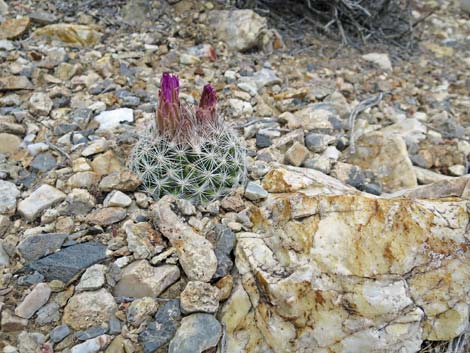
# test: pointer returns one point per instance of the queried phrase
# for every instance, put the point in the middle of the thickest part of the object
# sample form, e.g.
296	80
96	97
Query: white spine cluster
204	167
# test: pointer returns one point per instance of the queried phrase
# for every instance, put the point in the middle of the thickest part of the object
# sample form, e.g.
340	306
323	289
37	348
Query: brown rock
13	83
107	216
140	279
69	34
89	309
9	143
13	27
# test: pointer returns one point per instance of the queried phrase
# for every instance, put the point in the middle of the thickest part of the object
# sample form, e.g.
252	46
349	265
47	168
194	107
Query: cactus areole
191	153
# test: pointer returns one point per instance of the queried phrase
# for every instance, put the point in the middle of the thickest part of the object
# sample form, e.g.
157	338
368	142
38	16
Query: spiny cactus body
191	154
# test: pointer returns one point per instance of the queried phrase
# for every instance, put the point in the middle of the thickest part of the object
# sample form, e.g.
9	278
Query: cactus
191	153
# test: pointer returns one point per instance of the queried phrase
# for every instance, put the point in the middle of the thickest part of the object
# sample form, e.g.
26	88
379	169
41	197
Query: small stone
4	258
93	345
225	285
199	297
458	170
107	216
187	59
161	331
140	279
90	333
40	104
59	333
264	77
319	163
14	27
95	147
8	195
318	142
33	301
138	239
113	118
4	225
262	140
255	192
89	309
11	323
68	262
321	116
186	207
85	180
140	310
124	181
117	198
13	83
43	18
114	326
380	59
43	162
296	154
42	198
240	108
30	341
9	143
36	246
106	163
47	314
78	202
197	333
36	148
92	279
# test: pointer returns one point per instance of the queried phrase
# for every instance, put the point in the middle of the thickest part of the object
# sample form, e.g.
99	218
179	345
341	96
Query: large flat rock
350	273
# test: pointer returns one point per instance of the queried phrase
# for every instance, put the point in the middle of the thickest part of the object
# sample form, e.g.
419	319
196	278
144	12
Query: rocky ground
89	262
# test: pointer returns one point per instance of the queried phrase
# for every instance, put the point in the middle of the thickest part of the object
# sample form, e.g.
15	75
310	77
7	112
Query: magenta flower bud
208	97
168	113
206	112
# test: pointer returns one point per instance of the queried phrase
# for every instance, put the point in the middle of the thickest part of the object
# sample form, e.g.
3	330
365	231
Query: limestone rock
124	180
380	59
352	273
387	157
93	345
13	83
40	104
33	301
240	29
106	216
138	239
14	27
72	34
199	297
8	195
42	198
117	198
140	279
9	143
92	278
314	116
88	309
195	253
113	118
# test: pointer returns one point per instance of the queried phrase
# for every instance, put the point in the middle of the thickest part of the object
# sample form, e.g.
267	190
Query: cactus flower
206	112
169	107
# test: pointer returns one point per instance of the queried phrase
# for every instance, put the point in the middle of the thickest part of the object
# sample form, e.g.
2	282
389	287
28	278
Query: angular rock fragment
68	262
